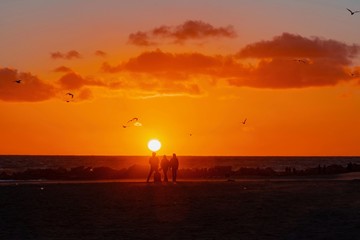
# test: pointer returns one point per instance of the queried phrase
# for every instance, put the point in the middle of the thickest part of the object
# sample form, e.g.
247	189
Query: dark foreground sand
188	210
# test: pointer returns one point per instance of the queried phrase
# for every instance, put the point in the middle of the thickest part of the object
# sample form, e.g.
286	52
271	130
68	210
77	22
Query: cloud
327	65
63	69
290	45
164	73
31	88
140	39
264	64
100	53
73	81
57	55
189	30
68	56
156	62
279	73
271	64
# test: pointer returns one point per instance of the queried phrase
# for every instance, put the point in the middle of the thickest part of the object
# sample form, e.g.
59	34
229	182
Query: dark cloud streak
189	30
72	54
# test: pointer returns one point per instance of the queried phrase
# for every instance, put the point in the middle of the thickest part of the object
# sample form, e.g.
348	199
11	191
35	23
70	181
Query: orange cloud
140	39
162	62
100	53
69	55
295	46
164	73
279	73
273	64
327	62
62	69
276	64
189	30
30	88
76	81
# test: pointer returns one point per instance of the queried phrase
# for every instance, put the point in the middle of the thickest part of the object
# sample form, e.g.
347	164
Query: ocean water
11	163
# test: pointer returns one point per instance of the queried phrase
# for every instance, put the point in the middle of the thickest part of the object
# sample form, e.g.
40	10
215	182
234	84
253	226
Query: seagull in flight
304	61
70	94
352	12
243	122
18	81
134	121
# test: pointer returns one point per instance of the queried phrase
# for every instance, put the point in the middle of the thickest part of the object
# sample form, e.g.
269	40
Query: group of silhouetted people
165	165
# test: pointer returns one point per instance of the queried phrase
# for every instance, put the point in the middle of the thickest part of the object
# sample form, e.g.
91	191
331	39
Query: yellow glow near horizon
154	145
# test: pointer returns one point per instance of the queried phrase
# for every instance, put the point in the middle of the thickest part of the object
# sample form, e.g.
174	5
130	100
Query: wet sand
261	209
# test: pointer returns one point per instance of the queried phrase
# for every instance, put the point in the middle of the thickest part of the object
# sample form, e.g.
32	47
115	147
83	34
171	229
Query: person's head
164	156
153	154
174	155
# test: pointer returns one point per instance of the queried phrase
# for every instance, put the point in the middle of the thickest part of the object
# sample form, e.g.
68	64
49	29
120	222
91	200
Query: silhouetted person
165	167
174	164
154	165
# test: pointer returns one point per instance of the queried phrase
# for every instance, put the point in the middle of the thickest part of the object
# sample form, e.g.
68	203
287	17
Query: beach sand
257	209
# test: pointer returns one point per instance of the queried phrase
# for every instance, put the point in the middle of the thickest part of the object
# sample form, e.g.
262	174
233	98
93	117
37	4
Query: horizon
169	155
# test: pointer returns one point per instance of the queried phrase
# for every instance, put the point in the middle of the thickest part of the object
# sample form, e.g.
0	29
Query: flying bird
70	94
132	122
352	12
304	61
18	81
243	122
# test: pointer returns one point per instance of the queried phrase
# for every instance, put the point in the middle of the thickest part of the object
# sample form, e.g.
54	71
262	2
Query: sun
154	145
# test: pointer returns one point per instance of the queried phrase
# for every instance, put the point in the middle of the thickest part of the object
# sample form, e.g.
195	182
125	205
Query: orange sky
182	68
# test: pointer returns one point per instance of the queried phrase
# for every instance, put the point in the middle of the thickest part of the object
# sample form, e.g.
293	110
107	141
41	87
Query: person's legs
150	173
173	175
165	175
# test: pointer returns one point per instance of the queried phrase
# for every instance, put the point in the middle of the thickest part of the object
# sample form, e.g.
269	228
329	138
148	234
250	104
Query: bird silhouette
243	122
18	81
132	122
133	119
352	12
70	94
304	61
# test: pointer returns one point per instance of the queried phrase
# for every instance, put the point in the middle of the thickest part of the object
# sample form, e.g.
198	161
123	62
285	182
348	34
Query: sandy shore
188	210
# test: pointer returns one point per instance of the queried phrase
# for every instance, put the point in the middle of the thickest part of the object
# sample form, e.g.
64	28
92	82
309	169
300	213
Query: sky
191	72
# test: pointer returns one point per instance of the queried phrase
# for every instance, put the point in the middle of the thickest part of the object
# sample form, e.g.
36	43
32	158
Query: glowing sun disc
154	145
